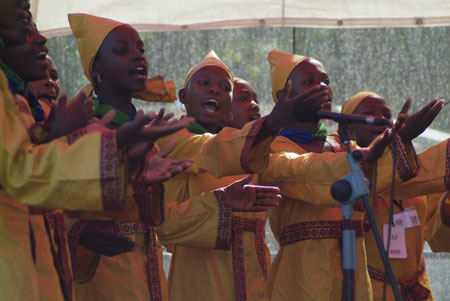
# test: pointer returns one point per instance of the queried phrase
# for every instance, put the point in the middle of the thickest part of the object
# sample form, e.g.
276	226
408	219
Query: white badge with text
397	247
408	218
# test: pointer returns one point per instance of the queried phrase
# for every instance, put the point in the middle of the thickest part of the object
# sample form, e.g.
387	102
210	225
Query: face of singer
373	106
308	74
244	105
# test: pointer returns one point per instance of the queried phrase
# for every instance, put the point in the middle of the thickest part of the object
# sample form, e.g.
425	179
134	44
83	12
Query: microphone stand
345	190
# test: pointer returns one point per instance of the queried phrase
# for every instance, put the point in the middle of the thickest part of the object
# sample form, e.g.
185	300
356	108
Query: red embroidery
260	243
238	259
110	177
56	223
411	289
447	167
224	229
154	281
240	225
144	194
316	230
72	137
74	236
404	169
127	228
245	153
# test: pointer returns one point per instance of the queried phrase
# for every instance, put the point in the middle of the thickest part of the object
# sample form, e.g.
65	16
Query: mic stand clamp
346	190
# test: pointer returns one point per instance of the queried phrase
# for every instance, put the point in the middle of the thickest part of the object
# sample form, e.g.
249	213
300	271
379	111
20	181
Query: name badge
407	218
397	246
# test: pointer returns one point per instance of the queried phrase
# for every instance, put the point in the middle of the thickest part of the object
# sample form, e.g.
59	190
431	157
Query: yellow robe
439	225
47	245
44	176
217	274
412	268
196	222
310	269
313	175
193	222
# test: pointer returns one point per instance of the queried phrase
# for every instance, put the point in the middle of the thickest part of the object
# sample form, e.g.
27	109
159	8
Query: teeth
211	102
41	54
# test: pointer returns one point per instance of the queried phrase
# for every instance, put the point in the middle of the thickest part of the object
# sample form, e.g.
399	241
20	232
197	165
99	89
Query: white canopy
164	15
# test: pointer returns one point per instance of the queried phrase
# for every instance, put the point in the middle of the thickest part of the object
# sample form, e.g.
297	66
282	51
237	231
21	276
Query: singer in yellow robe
202	222
45	176
410	271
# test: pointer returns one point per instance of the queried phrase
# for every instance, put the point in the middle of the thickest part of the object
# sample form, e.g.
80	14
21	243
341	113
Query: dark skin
116	63
47	89
29	59
208	83
122	67
244	107
304	76
409	127
373	106
13	15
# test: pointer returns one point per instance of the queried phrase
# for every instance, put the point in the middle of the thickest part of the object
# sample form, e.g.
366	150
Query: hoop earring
183	108
229	117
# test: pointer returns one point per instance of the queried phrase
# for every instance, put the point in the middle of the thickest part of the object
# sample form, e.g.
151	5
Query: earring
99	79
183	108
229	117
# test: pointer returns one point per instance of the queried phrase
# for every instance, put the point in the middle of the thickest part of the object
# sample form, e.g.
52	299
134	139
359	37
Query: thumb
168	148
246	180
108	117
62	101
406	106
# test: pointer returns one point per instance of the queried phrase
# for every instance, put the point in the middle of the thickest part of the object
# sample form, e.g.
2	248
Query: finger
305	95
288	89
168	148
258	209
175	169
268	195
266	203
108	118
169	116
435	109
406	106
263	188
62	101
164	130
400	121
140	122
139	114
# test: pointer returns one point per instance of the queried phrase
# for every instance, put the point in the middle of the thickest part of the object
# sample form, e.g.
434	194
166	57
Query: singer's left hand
415	124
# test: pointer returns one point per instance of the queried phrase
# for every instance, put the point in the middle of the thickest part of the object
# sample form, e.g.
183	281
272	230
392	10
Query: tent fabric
168	15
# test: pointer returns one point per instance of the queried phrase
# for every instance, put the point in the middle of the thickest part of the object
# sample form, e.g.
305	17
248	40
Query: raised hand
290	109
252	198
415	124
159	169
139	130
99	240
66	118
100	125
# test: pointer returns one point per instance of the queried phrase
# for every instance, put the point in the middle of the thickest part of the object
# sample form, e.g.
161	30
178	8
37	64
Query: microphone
352	118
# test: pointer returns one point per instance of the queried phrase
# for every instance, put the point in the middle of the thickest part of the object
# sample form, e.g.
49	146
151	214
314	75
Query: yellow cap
352	103
90	32
210	60
281	66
